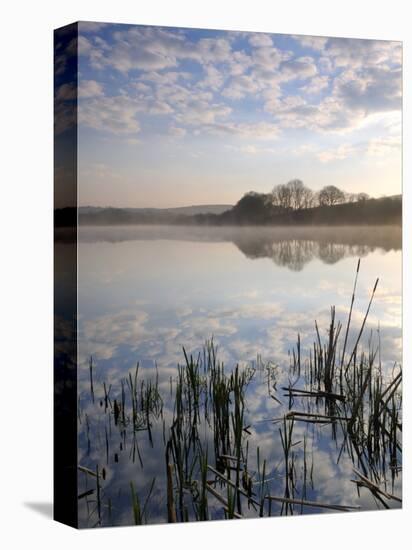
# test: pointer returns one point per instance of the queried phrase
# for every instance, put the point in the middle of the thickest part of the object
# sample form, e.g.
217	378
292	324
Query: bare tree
362	197
308	198
297	191
350	197
282	196
292	195
330	195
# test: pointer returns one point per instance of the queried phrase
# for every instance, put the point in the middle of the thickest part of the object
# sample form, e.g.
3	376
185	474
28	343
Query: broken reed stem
86	471
221	499
310	417
314	504
307	393
366	482
229	482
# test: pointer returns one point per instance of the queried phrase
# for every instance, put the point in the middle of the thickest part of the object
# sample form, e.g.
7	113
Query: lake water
145	293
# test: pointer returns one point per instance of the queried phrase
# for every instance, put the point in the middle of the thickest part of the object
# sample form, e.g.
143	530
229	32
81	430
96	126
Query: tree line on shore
294	195
292	203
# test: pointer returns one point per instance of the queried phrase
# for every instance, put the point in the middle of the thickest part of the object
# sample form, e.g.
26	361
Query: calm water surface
147	292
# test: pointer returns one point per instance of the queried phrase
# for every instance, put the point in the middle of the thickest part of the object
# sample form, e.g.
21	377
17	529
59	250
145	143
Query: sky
172	117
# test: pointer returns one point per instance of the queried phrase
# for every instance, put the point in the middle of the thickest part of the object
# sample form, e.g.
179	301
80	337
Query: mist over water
291	247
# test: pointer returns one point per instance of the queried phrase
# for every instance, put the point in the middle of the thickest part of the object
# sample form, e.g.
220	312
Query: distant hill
201	209
95	215
186	210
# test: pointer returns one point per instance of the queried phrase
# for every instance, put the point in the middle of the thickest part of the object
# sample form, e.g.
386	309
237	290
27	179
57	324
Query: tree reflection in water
291	247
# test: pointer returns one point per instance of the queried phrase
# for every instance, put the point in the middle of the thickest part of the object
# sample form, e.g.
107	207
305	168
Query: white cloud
371	89
352	100
111	114
241	85
383	146
304	149
164	78
84	46
90	26
177	132
325	65
153	49
102	335
260	40
375	147
239	63
143	88
269	57
210	50
316	85
360	78
259	130
299	68
369	81
339	153
140	48
251	150
199	112
358	54
213	79
159	108
188	105
316	43
66	92
64	115
90	88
